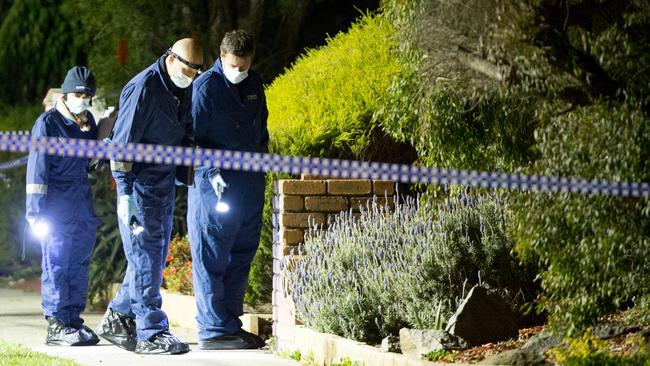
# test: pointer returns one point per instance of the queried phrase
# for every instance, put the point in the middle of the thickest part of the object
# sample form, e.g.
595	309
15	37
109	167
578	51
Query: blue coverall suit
59	193
231	117
152	111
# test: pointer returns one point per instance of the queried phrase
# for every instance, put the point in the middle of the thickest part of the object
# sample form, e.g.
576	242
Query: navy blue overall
58	192
152	111
223	244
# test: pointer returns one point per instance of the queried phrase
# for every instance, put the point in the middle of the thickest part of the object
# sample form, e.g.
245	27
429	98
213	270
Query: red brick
349	186
383	187
290	203
326	203
300	220
306	187
291	236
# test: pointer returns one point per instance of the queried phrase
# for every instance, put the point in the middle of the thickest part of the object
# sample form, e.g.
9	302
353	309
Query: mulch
479	353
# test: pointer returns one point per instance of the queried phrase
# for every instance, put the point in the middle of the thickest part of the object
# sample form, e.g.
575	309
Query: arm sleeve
37	175
131	123
264	142
201	111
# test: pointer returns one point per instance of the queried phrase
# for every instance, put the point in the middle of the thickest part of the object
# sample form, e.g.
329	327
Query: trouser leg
211	239
241	257
54	278
82	248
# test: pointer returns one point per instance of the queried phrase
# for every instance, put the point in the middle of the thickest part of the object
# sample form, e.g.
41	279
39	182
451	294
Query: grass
17	355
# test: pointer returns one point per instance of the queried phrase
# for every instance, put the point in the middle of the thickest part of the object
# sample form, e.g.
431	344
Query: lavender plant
366	277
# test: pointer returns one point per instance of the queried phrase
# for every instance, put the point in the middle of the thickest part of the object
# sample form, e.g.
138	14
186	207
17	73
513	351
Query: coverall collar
81	119
162	68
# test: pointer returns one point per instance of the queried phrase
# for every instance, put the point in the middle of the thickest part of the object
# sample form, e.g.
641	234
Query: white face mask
182	81
235	76
77	105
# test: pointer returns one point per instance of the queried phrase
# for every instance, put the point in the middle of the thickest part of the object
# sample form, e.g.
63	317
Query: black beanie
79	80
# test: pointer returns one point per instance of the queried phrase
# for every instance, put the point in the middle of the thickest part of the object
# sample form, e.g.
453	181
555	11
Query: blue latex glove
218	184
125	209
32	222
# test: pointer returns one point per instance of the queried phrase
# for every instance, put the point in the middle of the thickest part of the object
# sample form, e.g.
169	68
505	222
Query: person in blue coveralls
225	206
60	212
154	109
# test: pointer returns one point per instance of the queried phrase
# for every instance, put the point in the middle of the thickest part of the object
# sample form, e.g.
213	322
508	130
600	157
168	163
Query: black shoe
118	329
88	333
163	342
240	340
59	334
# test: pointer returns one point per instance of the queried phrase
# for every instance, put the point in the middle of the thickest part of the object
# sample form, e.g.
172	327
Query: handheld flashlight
222	207
41	229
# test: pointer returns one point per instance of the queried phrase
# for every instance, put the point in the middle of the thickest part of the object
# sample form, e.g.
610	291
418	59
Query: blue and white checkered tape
13	163
336	168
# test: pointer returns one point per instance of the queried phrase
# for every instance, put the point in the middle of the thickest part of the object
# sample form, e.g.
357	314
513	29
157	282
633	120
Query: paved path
21	321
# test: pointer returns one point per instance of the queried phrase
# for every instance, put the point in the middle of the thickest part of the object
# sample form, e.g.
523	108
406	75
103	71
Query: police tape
335	168
13	163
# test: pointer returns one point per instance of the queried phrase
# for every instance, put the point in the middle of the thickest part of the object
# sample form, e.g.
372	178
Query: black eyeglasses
195	67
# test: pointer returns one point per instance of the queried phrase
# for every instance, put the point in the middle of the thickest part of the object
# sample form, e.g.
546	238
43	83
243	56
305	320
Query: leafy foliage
43	47
368	277
178	271
323	104
593	123
125	36
594	248
452	116
588	350
555	88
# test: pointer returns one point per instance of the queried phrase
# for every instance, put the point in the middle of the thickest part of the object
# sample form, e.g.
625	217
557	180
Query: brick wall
296	204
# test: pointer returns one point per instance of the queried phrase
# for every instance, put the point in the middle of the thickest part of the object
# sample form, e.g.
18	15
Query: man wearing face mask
60	212
154	109
229	112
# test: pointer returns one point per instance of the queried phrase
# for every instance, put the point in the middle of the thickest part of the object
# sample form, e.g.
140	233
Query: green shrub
367	278
588	350
593	249
45	43
608	360
323	104
451	116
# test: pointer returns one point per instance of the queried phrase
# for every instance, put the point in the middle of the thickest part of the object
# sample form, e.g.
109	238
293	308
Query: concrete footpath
21	321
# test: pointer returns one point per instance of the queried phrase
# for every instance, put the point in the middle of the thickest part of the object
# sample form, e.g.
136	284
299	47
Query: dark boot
59	334
118	329
240	340
88	333
163	342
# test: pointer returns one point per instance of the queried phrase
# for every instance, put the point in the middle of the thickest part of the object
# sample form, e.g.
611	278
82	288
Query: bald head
189	49
184	61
